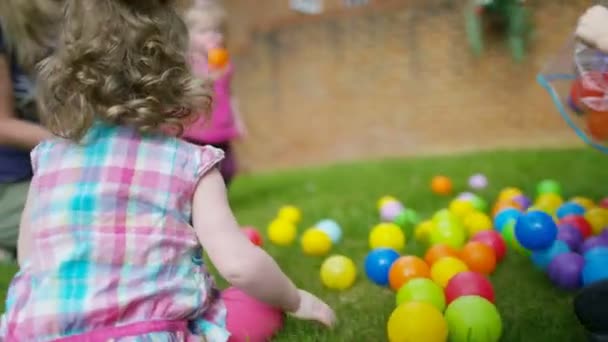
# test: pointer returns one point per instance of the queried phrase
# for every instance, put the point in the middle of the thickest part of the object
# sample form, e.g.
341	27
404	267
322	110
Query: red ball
579	91
604	203
493	239
580	223
254	236
469	284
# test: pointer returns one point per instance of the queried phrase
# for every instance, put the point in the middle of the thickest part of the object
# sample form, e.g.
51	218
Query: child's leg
249	320
591	308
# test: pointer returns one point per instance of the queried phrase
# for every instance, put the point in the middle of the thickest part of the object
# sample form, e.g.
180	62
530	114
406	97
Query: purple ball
523	201
390	210
604	233
466	196
570	235
592	242
565	270
478	181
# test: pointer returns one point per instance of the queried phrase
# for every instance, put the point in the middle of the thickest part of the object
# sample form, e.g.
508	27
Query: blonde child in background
206	21
106	248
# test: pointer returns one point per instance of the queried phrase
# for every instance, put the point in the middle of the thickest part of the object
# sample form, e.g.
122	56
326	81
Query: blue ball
535	230
331	228
543	258
597	253
570	208
504	217
378	263
595	270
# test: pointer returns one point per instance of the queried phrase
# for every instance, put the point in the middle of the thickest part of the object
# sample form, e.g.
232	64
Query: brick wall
393	79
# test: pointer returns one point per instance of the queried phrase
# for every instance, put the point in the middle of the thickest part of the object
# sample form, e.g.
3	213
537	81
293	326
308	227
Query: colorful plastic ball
478	181
452	235
461	208
593	242
570	235
338	272
406	268
407	218
268	320
476	222
479	257
507	194
290	213
504	217
569	208
390	210
548	186
416	321
604	203
331	228
378	262
466	196
315	242
441	185
422	232
565	270
595	270
253	235
597	218
508	234
387	235
469	284
494	240
385	199
604	233
580	223
218	58
543	258
523	201
281	232
585	202
548	202
445	268
600	253
439	251
535	230
421	290
445	215
500	206
473	319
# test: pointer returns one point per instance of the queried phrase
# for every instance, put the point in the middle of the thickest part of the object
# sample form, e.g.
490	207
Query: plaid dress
112	243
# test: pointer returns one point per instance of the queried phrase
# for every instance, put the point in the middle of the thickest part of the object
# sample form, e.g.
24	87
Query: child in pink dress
206	21
107	250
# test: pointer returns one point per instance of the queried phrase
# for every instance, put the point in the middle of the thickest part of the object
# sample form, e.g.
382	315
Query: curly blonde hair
122	62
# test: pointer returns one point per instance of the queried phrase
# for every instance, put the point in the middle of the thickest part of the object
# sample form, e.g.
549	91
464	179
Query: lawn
532	309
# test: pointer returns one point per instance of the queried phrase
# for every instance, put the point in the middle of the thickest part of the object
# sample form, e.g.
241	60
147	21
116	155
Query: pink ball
248	319
469	284
253	235
604	203
390	210
494	240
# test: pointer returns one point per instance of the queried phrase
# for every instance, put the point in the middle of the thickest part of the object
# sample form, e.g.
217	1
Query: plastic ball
445	268
338	272
604	233
466	196
597	125
451	235
500	206
439	251
543	258
406	268
385	199
565	270
331	228
253	235
493	240
507	194
407	218
473	319
522	201
535	230
390	210
218	58
595	270
421	290
242	308
476	222
441	185
290	213
478	203
505	216
469	284
315	242
600	253
479	257
548	186
508	234
593	242
387	235
570	235
417	321
548	202
597	218
583	201
604	203
282	232
378	263
579	223
445	215
569	208
422	232
461	208
478	181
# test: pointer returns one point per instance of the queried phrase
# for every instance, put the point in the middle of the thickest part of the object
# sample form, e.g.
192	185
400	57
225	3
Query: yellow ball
584	202
477	221
338	272
385	199
508	194
461	208
598	218
282	232
417	322
445	268
290	213
315	242
548	202
423	231
387	235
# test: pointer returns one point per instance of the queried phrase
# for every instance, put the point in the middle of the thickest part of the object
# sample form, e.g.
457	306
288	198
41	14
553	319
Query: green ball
479	203
473	319
449	234
508	233
422	290
548	186
407	217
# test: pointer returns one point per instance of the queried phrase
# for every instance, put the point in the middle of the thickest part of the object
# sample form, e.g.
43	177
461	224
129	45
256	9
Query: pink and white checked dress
113	251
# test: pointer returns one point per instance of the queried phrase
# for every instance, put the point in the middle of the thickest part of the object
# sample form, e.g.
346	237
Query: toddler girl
106	248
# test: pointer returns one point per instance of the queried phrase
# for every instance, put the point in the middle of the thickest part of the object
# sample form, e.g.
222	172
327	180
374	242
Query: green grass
532	309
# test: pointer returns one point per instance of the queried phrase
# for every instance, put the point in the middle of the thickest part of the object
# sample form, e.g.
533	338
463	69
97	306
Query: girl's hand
314	309
593	27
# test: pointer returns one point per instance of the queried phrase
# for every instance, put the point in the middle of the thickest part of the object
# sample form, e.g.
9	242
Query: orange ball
505	204
441	185
218	58
479	257
406	268
597	123
439	251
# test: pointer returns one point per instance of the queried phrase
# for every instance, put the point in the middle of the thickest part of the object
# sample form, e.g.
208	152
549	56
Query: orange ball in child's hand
479	257
218	58
597	123
441	185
